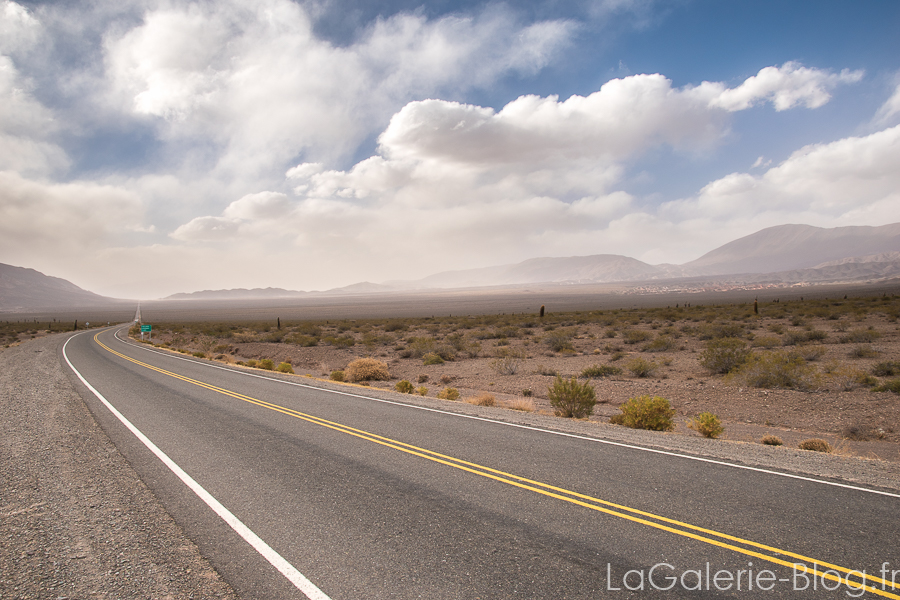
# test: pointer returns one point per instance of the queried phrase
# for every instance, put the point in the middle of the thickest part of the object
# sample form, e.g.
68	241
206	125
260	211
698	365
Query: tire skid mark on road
746	547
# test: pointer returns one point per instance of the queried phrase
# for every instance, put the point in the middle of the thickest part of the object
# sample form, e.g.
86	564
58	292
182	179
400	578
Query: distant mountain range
786	254
23	290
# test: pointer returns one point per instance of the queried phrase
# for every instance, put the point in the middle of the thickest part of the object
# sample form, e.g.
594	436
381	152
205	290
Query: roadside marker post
146	329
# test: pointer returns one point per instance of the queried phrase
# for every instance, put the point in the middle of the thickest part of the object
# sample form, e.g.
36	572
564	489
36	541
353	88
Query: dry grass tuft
483	399
523	404
367	369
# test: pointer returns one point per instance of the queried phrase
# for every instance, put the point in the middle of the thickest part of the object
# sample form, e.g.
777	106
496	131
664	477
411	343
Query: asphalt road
354	497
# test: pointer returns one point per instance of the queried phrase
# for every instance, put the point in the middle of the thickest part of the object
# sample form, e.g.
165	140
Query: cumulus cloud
462	182
19	30
255	79
785	87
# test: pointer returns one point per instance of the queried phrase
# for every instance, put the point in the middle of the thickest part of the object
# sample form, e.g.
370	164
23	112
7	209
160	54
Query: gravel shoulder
75	519
77	522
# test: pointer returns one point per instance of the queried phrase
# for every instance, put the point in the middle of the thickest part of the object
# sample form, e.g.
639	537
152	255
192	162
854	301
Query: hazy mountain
237	294
791	247
574	269
24	289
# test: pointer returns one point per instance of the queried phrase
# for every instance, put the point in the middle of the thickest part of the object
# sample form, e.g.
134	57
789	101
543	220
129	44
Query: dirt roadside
75	519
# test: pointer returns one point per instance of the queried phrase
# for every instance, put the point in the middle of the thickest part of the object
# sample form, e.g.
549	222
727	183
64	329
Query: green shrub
815	444
600	371
267	363
889	386
285	367
367	369
422	390
559	340
432	358
792	338
723	355
778	369
644	412
572	399
199	354
766	341
886	369
449	394
343	341
772	440
252	363
301	339
337	376
635	336
641	367
663	343
404	387
707	424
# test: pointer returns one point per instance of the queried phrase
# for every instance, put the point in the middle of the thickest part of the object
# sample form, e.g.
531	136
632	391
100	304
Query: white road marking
276	560
528	427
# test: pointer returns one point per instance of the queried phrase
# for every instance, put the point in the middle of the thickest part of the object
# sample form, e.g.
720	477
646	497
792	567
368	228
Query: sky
155	147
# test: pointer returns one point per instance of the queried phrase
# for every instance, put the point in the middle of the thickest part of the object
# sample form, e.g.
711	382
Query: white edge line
276	560
528	427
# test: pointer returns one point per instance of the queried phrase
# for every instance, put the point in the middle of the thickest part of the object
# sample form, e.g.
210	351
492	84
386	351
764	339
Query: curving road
293	491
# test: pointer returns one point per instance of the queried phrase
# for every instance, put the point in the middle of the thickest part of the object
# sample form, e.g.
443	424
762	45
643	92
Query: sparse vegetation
778	369
449	394
598	371
483	399
724	355
572	399
285	367
337	376
641	367
815	445
404	387
367	369
646	412
772	440
707	424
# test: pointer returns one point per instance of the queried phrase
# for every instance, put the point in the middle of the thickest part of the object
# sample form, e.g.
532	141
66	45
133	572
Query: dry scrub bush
600	371
483	399
889	386
644	412
663	343
641	367
863	351
404	387
337	376
766	341
815	444
422	390
285	367
432	358
267	363
778	369
523	404
860	336
367	369
723	355
508	362
572	399
886	369
449	394
772	440
707	424
560	340
847	378
635	336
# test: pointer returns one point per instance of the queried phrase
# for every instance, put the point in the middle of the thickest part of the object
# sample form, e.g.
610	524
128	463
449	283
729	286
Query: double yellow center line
785	558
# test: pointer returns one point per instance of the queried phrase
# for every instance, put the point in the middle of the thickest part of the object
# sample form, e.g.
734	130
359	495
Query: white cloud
890	109
44	220
19	30
254	79
459	183
785	87
26	127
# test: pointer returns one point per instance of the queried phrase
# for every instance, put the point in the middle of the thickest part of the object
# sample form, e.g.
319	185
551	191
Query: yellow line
576	498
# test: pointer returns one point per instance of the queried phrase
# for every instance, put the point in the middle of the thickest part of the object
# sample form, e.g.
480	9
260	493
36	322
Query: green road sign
145	328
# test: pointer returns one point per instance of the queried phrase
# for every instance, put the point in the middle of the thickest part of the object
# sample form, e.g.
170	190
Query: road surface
293	491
